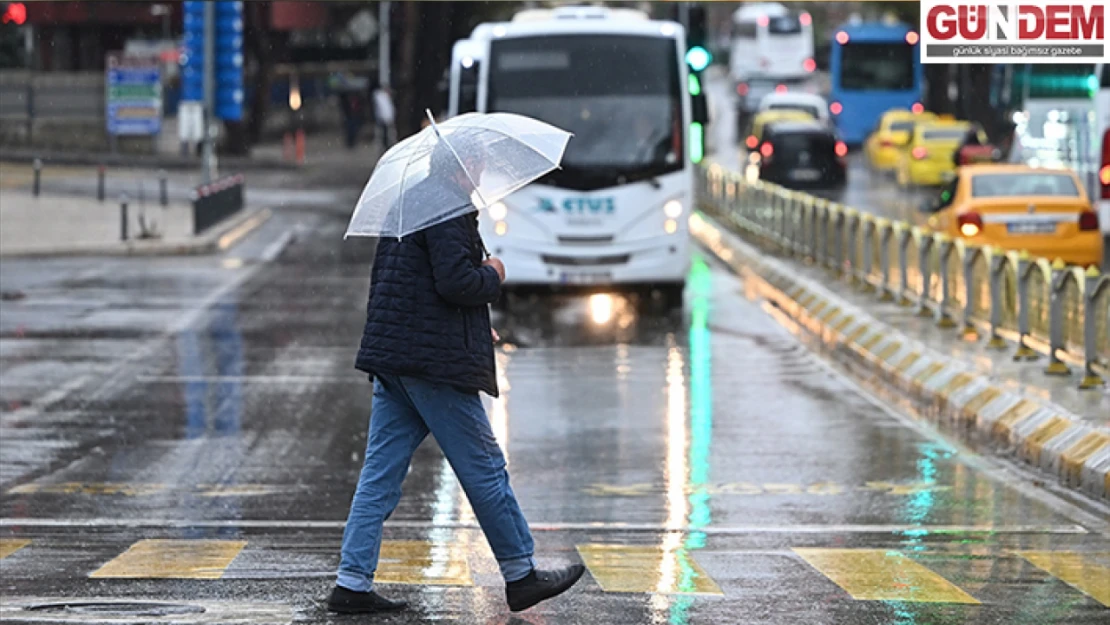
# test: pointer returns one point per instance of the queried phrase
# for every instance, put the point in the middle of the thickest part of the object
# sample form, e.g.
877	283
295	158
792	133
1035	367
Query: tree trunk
404	83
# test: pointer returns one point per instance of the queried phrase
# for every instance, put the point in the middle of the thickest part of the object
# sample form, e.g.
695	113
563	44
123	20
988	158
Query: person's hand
497	265
495	335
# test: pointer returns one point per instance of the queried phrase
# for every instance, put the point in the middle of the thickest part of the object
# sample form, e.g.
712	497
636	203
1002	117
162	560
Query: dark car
803	155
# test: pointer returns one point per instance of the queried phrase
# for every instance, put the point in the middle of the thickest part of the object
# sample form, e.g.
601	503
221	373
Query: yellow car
1045	212
884	144
761	119
930	157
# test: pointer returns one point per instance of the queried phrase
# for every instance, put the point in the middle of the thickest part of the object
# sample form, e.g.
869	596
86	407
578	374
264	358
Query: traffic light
697	50
228	78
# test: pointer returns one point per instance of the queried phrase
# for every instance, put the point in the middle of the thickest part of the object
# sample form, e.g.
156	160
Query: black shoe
346	601
539	585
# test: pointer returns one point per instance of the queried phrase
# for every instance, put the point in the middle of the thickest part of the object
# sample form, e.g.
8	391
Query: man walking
428	346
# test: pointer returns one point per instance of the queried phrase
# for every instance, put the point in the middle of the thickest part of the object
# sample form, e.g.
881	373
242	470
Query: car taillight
918	107
886	143
1104	171
841	149
809	65
970	224
751	142
836	108
742	89
919	153
780	89
766	150
1088	220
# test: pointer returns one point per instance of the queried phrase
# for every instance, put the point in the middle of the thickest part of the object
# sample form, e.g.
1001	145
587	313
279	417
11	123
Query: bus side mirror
700	109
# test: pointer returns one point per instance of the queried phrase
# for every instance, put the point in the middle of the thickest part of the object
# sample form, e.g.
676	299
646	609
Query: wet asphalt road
189	431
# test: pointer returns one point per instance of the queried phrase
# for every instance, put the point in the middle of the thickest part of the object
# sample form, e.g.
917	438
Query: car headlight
672	209
498	211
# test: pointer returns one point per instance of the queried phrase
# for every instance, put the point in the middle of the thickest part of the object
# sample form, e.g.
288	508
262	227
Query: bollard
123	217
904	237
1056	320
100	173
851	244
163	189
925	245
970	296
886	289
944	320
1091	379
997	271
300	147
1024	266
36	185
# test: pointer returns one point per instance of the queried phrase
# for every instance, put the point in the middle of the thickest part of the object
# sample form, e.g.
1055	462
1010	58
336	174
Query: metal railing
1041	306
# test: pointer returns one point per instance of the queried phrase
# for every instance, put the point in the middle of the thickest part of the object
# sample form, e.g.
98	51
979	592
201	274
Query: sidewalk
977	394
68	225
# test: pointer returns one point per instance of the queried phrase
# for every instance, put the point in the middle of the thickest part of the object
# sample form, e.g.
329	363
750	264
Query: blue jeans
404	411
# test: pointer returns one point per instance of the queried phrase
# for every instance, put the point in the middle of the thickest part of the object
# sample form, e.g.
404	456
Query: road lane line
8	546
422	562
1075	570
882	575
627	568
251	379
551	527
173	559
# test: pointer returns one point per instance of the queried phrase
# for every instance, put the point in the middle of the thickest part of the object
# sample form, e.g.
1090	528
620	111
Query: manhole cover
119	608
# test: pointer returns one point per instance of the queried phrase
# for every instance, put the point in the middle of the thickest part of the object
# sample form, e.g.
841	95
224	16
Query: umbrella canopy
449	169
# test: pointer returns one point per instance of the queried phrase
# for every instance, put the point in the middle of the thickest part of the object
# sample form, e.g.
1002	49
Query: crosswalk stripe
8	546
626	568
879	574
1076	570
422	562
173	559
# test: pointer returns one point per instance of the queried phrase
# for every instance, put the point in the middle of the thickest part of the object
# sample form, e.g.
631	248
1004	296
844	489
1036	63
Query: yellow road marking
829	315
889	351
624	568
959	381
873	341
1016	413
984	397
907	362
1045	432
8	546
843	324
927	373
858	332
173	559
882	575
1073	458
1075	570
90	488
422	562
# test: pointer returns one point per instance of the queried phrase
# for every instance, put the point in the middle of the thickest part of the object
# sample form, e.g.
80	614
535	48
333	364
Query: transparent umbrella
446	170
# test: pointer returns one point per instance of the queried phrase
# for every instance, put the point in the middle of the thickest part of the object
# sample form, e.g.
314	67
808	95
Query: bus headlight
498	211
500	228
672	209
671	226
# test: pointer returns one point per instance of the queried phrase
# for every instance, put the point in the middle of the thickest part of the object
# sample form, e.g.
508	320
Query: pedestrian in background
428	347
384	114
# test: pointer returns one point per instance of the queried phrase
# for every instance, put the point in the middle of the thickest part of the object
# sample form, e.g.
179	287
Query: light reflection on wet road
704	464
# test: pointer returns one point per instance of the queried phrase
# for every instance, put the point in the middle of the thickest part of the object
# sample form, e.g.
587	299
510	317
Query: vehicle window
794	143
1014	185
901	127
877	67
808	110
746	30
947	134
789	25
1105	82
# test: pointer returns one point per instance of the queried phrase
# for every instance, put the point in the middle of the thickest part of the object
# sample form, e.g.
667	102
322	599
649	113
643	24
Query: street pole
384	42
29	50
209	152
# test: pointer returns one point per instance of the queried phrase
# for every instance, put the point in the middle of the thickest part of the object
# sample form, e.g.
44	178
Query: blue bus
873	67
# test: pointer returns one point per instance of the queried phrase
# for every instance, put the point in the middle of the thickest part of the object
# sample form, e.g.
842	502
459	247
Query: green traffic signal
698	58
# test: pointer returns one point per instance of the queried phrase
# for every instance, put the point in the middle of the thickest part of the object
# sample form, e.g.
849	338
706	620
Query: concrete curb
218	238
140	161
930	385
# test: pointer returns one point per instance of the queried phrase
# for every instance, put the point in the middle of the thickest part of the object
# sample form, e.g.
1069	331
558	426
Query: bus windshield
619	95
787	25
877	67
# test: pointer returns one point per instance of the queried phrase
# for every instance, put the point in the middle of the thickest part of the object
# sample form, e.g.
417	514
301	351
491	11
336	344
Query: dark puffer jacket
428	314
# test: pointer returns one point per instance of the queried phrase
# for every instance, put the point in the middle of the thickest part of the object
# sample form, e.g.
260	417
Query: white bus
772	50
615	214
466	65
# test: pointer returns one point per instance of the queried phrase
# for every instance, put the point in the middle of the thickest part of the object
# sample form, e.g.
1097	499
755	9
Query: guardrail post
821	233
1056	320
944	320
851	244
163	188
123	216
997	266
100	173
1024	267
924	248
865	266
36	185
1091	379
838	242
904	236
970	296
886	289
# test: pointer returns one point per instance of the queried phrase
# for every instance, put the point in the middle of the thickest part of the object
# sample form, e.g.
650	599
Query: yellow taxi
1045	212
884	145
761	119
929	159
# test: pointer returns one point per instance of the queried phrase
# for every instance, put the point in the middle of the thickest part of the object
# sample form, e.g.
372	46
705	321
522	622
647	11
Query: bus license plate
585	277
805	174
1031	227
